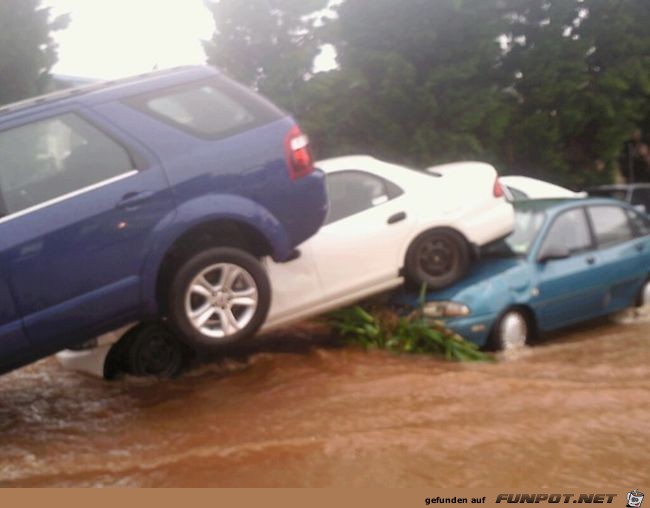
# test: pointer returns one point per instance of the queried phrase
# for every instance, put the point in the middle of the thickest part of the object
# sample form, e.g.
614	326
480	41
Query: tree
549	88
267	44
27	51
579	69
417	81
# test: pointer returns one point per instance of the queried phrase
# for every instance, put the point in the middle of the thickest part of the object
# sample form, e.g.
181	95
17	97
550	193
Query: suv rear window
214	108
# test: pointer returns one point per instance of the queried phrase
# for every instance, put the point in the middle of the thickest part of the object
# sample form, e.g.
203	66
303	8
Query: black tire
437	258
505	336
153	350
255	276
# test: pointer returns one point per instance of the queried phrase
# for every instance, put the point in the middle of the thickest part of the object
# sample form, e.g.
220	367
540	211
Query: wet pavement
571	412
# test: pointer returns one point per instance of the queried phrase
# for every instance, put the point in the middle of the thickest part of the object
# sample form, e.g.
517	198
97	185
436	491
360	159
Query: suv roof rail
83	89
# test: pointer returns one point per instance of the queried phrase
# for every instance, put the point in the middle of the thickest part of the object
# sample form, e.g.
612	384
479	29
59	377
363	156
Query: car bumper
307	211
490	224
475	329
91	361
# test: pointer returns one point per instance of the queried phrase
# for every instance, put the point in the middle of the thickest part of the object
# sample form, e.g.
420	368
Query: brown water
573	412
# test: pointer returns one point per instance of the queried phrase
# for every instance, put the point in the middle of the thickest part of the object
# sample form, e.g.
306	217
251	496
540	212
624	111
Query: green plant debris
380	328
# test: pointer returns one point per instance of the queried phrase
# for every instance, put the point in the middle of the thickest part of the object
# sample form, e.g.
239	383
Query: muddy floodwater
571	412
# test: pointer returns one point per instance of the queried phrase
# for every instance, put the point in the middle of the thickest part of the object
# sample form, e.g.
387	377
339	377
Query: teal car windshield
527	225
528	221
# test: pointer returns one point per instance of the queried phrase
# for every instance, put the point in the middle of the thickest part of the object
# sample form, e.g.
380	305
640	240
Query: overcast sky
114	38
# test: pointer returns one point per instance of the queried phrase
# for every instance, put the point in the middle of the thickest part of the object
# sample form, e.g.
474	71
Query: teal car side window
569	230
611	225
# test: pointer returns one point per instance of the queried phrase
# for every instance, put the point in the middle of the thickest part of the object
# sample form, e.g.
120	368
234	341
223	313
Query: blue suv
146	197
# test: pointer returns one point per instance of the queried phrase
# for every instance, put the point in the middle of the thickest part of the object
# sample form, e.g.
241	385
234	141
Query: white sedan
386	223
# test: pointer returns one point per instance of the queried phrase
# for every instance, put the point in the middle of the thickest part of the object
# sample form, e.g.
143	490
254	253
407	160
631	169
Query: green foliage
549	88
412	334
27	51
578	68
267	44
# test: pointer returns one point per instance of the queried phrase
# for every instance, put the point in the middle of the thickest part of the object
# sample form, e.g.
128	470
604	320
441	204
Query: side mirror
550	252
641	208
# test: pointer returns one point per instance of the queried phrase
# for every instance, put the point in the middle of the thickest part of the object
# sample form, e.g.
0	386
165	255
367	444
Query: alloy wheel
221	300
513	331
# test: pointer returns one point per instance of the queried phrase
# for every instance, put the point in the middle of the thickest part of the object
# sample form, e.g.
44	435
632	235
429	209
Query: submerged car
524	187
385	223
566	261
153	196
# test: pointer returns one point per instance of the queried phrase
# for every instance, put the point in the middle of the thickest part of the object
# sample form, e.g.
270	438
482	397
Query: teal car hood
491	283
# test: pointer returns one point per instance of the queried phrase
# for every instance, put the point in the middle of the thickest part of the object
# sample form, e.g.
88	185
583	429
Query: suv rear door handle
591	260
134	199
399	216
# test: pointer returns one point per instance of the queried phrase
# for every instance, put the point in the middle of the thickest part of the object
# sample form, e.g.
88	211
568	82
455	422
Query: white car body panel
362	254
88	361
539	189
92	361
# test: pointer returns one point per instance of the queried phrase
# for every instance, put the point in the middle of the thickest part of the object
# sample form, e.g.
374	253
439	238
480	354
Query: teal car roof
558	204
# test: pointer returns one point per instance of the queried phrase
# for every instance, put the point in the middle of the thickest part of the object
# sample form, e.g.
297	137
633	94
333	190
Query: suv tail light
299	158
498	189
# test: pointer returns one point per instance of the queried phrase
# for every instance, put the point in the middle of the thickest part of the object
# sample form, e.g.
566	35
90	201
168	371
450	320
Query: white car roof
391	172
348	162
411	180
368	162
535	188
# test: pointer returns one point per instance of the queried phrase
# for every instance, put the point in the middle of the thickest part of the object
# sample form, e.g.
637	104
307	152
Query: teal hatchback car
567	261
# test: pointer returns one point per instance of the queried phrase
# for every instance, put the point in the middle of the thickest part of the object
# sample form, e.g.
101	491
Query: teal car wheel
644	300
511	332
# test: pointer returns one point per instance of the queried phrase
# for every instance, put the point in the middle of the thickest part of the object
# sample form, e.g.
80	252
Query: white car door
358	248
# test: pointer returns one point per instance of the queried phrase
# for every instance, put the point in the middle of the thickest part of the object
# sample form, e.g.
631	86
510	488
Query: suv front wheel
218	297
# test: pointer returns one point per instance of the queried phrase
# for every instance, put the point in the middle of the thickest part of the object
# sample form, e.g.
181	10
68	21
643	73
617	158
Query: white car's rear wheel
437	258
153	350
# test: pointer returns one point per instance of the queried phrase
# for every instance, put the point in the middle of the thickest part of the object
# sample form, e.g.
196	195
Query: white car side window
351	192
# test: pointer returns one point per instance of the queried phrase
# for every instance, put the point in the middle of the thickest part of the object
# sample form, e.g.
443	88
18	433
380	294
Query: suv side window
351	192
212	109
570	230
50	158
611	225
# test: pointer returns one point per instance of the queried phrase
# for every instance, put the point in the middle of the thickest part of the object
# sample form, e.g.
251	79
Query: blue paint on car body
88	261
596	281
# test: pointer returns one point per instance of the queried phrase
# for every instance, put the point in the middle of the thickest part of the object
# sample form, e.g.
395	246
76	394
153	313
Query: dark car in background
637	194
151	196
